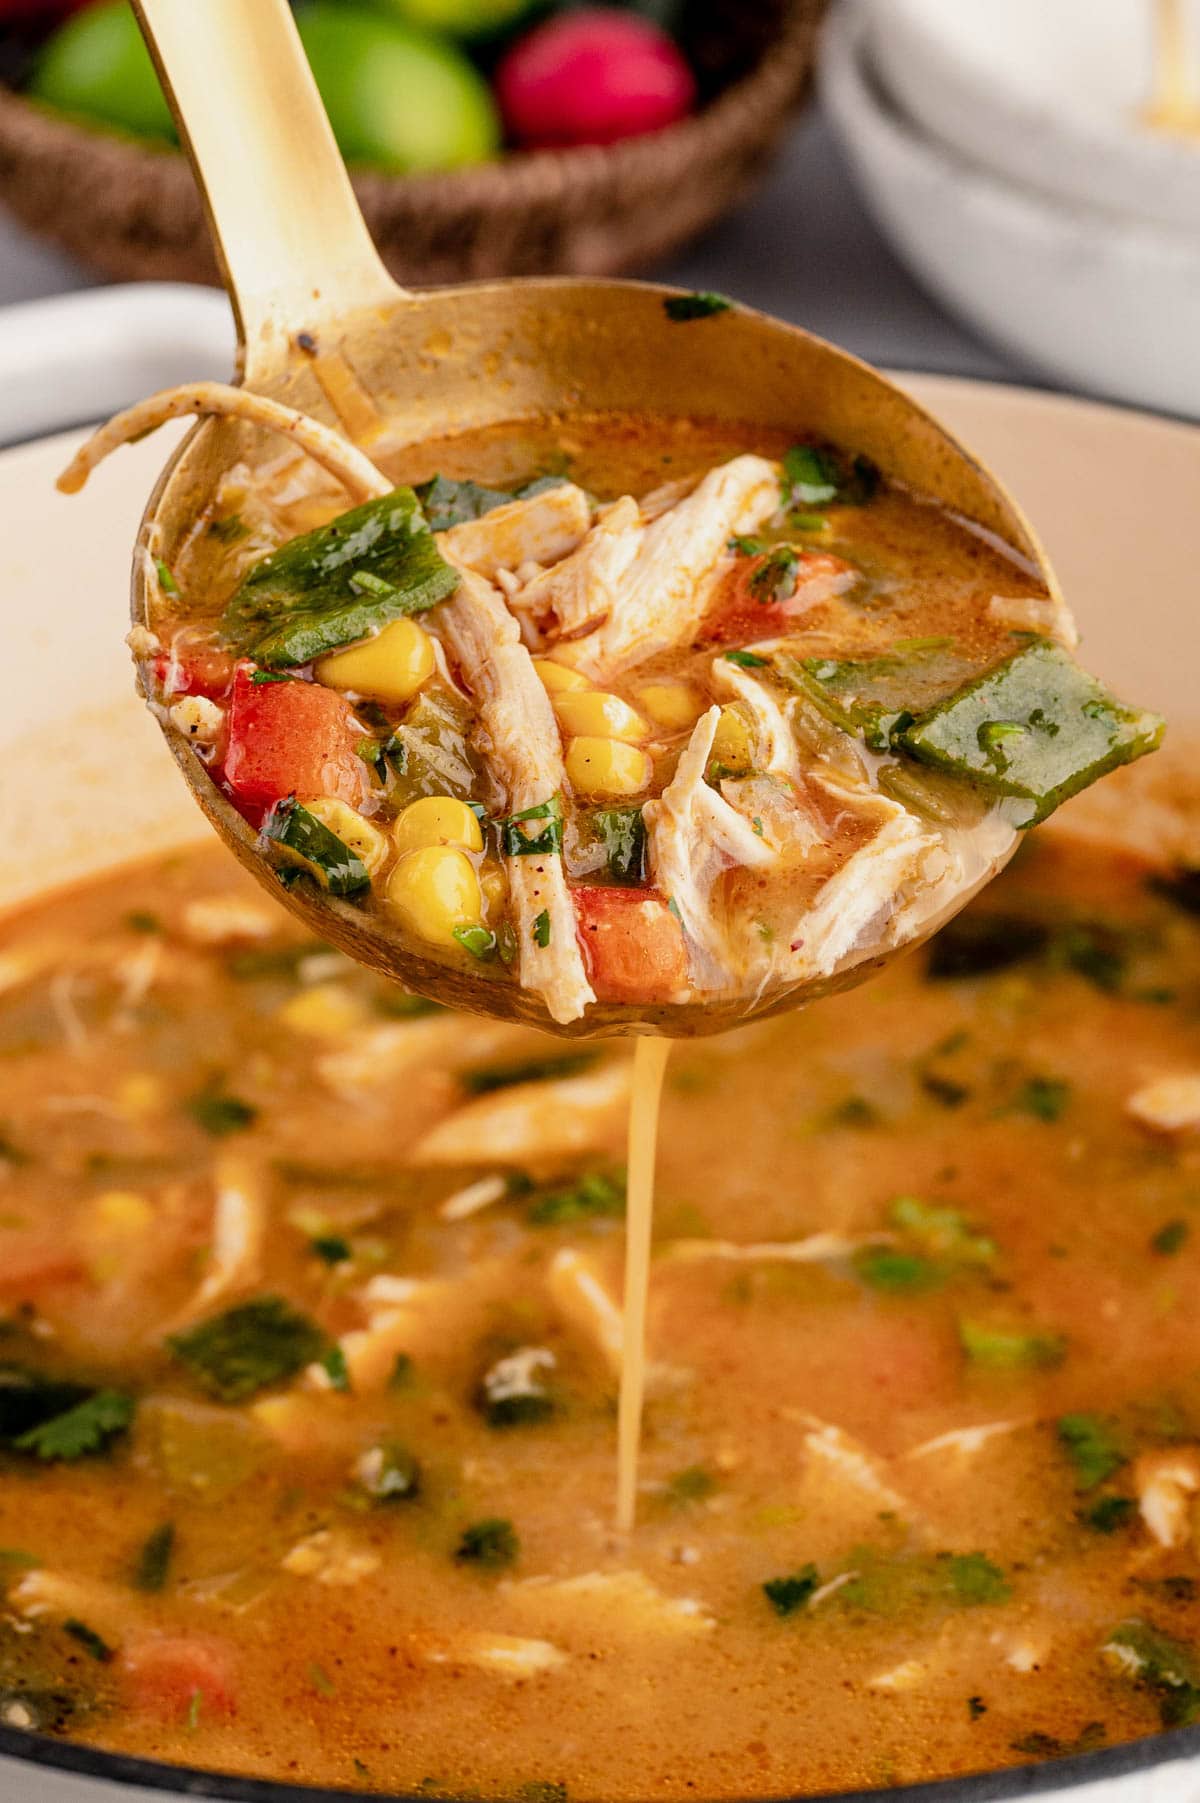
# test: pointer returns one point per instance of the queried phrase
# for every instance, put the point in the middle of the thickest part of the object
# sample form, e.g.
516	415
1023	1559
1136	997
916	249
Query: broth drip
649	1066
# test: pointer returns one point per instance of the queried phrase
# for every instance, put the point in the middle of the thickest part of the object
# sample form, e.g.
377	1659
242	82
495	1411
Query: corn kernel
324	1011
557	677
140	1093
120	1211
437	820
733	746
672	705
599	716
364	839
390	667
607	767
433	890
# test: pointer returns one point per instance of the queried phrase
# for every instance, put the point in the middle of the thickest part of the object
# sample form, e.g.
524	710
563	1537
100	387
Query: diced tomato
172	1675
290	738
194	670
633	944
742	612
31	1263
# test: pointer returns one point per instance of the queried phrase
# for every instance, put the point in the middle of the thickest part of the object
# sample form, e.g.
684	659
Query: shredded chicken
332	1559
607	1606
776	743
693	835
533	1122
374	1058
1166	1482
579	1295
503	1655
579	594
239	1224
357	473
221	920
46	1594
665	590
964	1441
1168	1105
1048	615
816	1249
474	1197
544	527
832	1453
517	734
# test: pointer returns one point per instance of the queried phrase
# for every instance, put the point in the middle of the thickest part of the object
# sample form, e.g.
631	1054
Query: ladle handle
294	248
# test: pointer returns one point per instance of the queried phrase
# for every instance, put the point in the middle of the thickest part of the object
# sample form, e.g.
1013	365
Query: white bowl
1045	93
1093	300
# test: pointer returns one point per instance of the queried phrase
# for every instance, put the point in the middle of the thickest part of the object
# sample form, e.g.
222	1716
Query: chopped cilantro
702	305
541	929
166	577
894	1584
389	1473
86	1428
218	1112
1043	1097
89	1640
333	1364
261	676
788	1594
238	1353
491	1543
515	1390
479	941
745	660
154	1559
976	1707
776	577
140	920
1093	1446
747	547
1108	1513
594	1193
1171	1237
815	475
1164	1667
691	1485
622	832
229	529
889	1268
402	1372
943	1232
330	1248
1009	1349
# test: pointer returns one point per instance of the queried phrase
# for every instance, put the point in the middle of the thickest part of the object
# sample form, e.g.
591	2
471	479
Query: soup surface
310	1342
649	720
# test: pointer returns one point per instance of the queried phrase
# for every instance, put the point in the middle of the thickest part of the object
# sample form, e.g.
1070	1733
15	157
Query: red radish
290	738
632	943
761	595
173	1676
591	77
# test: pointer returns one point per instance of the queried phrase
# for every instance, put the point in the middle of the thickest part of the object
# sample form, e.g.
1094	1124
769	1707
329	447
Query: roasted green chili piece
430	751
1035	727
342	582
300	841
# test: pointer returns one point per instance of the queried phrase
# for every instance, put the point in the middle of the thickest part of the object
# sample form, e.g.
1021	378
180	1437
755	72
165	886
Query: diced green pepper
301	841
342	582
1009	1349
1035	727
622	832
430	751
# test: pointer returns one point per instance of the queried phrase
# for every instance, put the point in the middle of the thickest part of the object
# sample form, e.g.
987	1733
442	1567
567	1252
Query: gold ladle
323	328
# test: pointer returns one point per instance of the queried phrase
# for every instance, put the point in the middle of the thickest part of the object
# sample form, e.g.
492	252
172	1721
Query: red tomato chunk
290	738
633	944
173	1676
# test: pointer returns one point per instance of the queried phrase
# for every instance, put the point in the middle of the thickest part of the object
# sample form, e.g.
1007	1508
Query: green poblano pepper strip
340	583
304	842
877	696
1036	727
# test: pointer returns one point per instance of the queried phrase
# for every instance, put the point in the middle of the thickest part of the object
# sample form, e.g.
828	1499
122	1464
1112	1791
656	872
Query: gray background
803	248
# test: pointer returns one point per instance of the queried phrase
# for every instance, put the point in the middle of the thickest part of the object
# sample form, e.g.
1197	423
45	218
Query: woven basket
132	211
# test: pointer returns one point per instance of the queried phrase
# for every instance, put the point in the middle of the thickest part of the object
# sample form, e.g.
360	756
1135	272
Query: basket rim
755	100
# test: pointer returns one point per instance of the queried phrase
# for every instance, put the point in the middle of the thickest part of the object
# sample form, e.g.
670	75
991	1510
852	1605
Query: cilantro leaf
788	1594
1093	1447
85	1428
238	1353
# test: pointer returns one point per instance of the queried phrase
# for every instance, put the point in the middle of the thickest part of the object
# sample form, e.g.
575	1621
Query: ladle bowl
323	327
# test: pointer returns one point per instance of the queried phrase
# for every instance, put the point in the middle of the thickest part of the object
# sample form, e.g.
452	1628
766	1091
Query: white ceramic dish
116	794
1045	93
1089	299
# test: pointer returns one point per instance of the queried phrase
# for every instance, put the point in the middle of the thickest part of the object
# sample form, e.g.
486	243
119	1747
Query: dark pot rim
1038	1778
